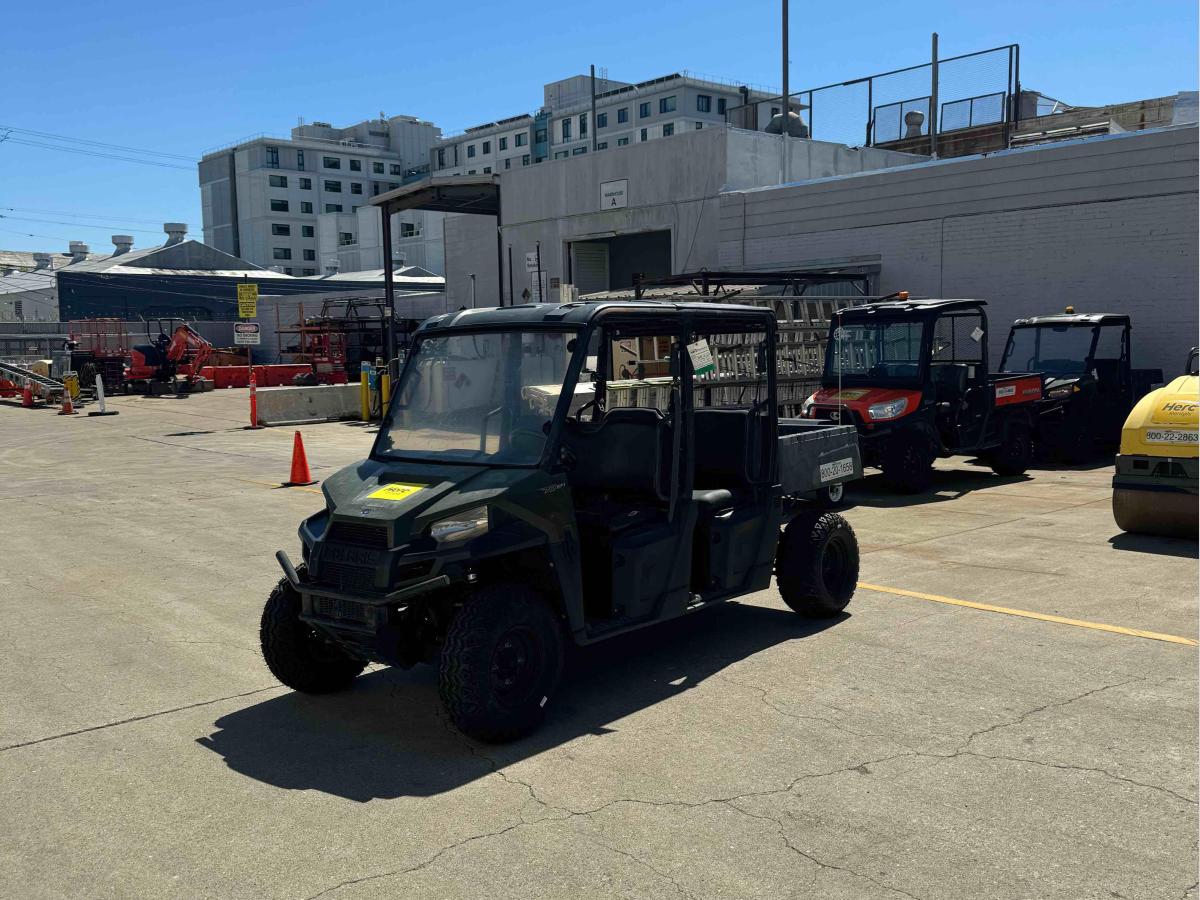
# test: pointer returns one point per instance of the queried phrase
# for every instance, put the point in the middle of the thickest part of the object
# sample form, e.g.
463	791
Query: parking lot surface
914	748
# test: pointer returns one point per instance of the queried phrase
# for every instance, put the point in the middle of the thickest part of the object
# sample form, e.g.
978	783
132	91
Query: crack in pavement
141	718
641	862
1076	768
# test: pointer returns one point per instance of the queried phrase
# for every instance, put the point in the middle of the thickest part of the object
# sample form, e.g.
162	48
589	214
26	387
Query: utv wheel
908	465
501	662
1015	453
816	564
296	653
831	496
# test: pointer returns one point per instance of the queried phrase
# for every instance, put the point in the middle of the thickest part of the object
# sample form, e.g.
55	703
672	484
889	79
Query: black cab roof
1072	318
578	313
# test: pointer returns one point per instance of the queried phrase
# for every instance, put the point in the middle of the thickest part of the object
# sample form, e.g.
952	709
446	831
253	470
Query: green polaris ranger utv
552	473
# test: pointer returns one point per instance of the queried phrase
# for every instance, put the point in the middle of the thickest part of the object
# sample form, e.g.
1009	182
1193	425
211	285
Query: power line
78	224
95	154
72	140
74	215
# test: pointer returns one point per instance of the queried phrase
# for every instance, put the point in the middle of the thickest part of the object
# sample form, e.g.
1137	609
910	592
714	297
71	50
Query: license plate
839	468
1172	436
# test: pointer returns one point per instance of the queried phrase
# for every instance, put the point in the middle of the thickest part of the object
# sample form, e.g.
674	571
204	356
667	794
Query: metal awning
479	194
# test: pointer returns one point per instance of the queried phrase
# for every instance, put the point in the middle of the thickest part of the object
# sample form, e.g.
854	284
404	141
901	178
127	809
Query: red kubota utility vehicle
171	362
912	376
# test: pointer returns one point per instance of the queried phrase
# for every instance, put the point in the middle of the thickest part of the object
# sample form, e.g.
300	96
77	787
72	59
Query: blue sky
167	78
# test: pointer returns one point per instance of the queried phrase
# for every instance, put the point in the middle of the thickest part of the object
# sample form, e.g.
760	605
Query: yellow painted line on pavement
1027	614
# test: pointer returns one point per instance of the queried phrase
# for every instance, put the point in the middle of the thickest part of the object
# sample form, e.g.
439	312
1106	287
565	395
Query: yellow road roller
1156	488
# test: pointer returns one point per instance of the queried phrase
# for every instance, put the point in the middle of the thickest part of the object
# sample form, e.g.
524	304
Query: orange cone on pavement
68	408
300	474
27	397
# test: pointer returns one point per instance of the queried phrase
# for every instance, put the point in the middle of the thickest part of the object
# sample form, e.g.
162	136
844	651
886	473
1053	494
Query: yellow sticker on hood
850	395
395	491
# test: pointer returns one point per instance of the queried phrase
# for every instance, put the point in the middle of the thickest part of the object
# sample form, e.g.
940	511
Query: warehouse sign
247	301
614	194
531	261
247	333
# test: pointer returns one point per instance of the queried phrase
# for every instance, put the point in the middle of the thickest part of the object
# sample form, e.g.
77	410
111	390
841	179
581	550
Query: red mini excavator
171	362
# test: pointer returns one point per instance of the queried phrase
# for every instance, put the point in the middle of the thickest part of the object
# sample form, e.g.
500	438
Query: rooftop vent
796	127
42	261
123	243
176	232
78	251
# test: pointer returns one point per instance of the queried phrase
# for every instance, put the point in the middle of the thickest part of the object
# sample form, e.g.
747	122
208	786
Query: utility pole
933	99
593	109
785	167
472	277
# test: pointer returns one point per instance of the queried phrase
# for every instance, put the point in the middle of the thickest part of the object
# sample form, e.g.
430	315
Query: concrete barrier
296	405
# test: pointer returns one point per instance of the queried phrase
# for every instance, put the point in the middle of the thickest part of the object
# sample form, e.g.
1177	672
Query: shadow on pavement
1184	548
872	491
387	736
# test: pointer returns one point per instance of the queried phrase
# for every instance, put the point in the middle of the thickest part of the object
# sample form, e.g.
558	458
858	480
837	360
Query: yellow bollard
385	385
364	391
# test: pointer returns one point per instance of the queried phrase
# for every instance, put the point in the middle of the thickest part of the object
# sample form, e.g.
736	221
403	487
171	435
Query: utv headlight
461	526
1063	390
806	406
889	410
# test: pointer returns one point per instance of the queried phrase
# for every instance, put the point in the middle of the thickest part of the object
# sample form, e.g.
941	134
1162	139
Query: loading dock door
589	266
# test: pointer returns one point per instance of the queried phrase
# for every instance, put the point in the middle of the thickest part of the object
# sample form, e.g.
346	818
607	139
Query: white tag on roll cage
701	356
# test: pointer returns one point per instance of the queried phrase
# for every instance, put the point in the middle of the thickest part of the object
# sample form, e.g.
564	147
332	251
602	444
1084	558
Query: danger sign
247	333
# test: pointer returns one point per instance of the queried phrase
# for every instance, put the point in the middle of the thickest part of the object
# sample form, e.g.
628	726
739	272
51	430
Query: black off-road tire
298	655
501	662
816	564
1015	452
907	464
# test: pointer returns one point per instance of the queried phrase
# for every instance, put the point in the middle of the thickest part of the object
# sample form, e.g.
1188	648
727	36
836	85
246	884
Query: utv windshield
483	398
878	351
1050	349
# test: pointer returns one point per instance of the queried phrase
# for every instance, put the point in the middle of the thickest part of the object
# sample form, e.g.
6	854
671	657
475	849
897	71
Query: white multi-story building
265	199
624	114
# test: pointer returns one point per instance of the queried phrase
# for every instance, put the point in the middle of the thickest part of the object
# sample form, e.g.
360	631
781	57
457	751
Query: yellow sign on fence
247	301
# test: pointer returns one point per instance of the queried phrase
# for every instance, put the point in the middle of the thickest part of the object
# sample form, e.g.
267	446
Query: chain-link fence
974	89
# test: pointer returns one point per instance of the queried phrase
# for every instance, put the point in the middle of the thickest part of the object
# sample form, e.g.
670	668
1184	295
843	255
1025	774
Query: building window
566	129
539	136
503	143
622	115
602	120
699	125
281	230
579	151
355	187
306	231
377	167
279	206
310	271
520	139
487	147
583	124
305	206
668	129
441	160
287	270
392	185
561	154
272	157
470	171
395	169
508	163
334	187
487	170
356	165
345	238
470	151
703	103
310	255
603	145
300	160
525	160
645	135
331	162
721	101
643	110
622	141
306	184
333	207
277	180
666	104
408	229
281	253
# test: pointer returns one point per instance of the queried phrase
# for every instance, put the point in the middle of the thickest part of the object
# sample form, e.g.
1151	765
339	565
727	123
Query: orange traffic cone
300	474
27	397
68	408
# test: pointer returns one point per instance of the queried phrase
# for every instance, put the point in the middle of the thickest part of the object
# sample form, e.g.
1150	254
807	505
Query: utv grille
341	610
346	577
360	534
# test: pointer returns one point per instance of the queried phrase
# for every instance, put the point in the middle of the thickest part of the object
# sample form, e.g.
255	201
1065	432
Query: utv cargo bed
814	454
